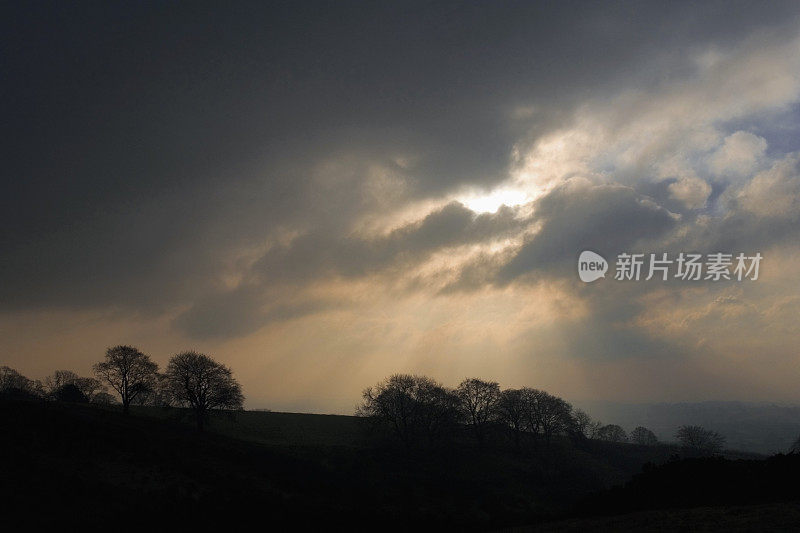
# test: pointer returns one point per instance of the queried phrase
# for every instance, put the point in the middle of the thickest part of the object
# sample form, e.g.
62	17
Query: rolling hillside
79	465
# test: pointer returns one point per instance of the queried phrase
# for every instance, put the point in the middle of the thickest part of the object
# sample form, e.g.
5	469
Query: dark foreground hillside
77	466
773	517
696	494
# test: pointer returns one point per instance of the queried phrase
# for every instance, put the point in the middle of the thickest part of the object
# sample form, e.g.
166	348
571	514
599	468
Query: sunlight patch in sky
491	202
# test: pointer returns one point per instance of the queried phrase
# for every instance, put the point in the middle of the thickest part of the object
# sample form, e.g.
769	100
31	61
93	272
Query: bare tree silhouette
595	429
57	380
14	384
582	422
478	402
612	433
197	381
158	395
700	439
511	412
128	371
547	415
642	435
795	448
413	407
88	387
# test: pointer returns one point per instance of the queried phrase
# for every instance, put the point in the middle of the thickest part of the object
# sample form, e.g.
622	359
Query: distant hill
764	428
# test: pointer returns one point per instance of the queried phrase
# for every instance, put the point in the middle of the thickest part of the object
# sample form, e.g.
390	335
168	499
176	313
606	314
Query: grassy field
85	466
303	429
281	429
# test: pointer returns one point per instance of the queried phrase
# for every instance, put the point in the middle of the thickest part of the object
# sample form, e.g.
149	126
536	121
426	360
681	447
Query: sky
321	194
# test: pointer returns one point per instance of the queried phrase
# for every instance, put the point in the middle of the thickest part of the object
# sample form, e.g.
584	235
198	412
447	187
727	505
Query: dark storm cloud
241	311
608	219
745	232
144	142
317	256
573	217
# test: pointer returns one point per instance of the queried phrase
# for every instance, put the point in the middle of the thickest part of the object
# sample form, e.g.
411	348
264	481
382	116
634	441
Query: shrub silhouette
70	393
